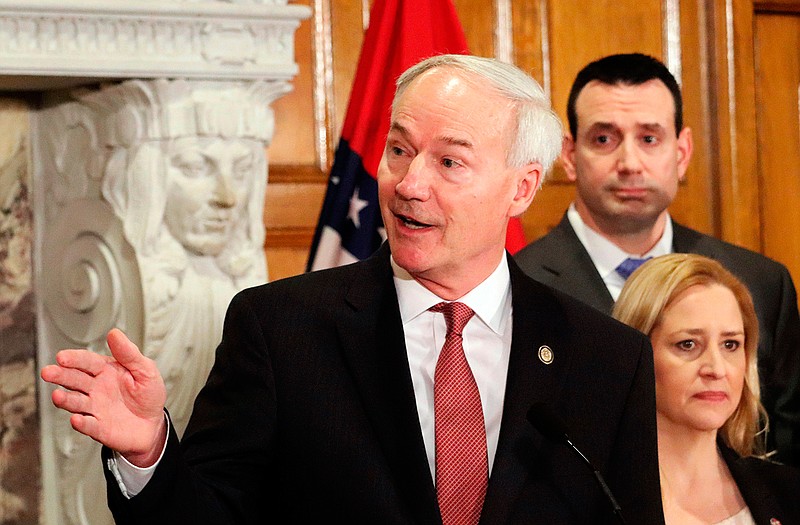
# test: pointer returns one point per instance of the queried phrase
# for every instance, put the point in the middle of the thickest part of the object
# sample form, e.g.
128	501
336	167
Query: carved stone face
207	186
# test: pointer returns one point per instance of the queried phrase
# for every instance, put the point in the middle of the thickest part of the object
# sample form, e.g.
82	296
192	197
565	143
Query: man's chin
634	221
413	261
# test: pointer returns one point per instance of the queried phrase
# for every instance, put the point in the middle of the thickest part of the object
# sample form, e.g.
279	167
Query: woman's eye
732	345
687	345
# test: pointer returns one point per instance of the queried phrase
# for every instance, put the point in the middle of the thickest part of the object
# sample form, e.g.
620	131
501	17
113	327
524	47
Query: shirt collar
605	254
488	300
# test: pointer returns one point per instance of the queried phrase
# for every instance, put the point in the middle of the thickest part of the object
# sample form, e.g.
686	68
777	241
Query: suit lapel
573	270
685	240
373	344
530	379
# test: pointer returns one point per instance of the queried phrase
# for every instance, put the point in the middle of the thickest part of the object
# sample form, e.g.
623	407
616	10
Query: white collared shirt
487	346
606	255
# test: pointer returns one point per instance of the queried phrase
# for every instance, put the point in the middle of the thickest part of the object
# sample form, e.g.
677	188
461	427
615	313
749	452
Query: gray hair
539	131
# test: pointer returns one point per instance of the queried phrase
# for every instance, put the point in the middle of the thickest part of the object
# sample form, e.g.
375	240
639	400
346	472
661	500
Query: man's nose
415	182
629	160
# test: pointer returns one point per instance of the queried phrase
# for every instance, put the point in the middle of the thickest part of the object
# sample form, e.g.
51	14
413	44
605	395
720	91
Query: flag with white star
400	34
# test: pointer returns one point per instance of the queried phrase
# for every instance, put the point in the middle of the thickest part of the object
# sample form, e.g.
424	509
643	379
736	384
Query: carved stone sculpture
158	190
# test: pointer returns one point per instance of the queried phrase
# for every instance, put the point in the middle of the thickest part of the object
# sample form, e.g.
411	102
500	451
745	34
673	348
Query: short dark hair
631	69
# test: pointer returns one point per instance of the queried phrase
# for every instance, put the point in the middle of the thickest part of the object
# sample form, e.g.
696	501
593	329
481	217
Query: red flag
400	34
515	236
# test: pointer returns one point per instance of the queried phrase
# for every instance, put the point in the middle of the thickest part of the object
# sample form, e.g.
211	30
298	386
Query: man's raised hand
117	401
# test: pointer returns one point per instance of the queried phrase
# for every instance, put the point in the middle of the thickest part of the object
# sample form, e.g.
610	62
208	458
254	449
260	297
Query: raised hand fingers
128	355
84	360
73	379
72	401
85	424
83	418
123	348
75	369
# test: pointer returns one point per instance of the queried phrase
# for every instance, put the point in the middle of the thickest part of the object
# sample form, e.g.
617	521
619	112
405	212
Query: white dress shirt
487	345
606	255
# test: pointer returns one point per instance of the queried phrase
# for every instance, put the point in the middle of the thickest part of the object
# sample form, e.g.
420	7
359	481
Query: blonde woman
704	333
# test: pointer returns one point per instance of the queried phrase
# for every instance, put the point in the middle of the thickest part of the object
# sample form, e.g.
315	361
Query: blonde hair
654	286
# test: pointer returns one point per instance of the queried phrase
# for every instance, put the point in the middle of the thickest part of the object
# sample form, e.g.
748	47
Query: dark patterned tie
461	463
629	265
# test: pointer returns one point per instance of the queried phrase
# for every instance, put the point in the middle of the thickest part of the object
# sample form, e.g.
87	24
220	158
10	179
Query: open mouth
411	223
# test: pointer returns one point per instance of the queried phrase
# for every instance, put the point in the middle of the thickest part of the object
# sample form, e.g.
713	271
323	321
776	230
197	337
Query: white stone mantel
60	43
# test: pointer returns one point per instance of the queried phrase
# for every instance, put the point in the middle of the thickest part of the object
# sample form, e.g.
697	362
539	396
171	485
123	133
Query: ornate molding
149	39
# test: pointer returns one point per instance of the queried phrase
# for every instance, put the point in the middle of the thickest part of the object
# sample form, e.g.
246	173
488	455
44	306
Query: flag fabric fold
400	34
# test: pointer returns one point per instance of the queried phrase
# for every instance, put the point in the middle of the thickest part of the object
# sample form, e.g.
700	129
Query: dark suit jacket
770	490
309	416
559	260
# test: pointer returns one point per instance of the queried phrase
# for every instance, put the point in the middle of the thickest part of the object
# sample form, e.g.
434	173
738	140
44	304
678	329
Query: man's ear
685	148
568	156
528	183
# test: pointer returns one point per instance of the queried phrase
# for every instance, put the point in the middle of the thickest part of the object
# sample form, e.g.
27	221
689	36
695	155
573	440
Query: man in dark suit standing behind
627	150
358	395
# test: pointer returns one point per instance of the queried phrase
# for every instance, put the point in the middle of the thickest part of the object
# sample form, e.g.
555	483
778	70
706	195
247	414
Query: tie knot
456	315
629	265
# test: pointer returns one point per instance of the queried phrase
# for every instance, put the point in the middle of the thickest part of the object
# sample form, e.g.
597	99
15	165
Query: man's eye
449	163
603	141
650	139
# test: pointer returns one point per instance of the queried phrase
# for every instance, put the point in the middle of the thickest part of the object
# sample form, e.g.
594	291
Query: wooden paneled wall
754	72
552	40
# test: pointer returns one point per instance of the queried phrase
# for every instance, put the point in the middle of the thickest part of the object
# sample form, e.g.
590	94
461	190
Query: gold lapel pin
545	354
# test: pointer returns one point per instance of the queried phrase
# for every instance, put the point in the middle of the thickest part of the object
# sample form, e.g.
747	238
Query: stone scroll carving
156	220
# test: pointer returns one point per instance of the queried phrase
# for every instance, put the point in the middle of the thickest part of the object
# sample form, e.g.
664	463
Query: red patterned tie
461	463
